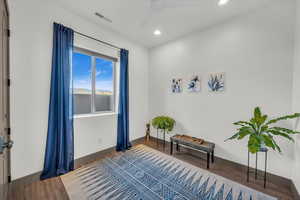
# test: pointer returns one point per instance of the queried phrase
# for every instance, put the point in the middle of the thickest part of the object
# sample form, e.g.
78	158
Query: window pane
82	83
104	97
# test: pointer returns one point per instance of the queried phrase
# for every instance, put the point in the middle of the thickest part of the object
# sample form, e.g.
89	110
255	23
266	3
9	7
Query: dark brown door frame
8	83
5	140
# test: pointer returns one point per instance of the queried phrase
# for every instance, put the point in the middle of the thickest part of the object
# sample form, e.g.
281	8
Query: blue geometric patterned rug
143	173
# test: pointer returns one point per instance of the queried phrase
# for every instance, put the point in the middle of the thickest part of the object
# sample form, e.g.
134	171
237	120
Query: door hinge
9	179
8	32
8	82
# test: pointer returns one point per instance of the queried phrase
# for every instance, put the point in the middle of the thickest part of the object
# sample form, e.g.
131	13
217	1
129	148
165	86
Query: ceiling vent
103	17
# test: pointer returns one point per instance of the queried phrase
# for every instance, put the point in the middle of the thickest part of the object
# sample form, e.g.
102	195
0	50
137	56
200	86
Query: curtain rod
103	42
92	38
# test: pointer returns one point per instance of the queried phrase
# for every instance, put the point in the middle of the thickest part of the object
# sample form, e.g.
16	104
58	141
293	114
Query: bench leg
213	156
208	160
177	147
171	148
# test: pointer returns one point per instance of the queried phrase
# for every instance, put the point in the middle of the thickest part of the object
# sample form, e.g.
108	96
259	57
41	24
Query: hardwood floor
53	189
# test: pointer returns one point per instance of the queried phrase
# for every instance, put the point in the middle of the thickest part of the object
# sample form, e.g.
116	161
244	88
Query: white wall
31	46
256	53
296	97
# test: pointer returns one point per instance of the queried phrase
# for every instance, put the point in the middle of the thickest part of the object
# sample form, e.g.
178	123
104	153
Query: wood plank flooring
53	189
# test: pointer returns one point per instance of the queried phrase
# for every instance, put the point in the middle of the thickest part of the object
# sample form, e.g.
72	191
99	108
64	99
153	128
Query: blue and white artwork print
176	85
194	84
216	82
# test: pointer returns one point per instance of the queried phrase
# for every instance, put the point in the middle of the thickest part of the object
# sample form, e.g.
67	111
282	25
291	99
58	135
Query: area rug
143	173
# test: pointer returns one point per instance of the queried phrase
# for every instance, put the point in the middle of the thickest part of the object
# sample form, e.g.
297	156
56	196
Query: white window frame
95	55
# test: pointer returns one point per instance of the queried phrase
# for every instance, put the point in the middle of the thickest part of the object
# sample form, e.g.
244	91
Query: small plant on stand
164	123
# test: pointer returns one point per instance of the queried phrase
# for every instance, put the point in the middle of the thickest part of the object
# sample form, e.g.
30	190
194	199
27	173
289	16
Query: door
5	143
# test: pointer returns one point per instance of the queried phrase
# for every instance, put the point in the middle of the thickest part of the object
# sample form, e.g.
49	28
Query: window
93	82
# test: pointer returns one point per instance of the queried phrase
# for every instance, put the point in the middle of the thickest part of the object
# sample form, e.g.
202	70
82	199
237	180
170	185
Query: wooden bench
194	143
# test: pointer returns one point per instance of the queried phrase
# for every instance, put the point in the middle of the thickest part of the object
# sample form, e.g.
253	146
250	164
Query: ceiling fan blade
147	19
154	10
157	6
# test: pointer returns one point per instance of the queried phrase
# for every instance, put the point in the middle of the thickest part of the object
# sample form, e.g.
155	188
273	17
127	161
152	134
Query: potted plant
262	131
164	123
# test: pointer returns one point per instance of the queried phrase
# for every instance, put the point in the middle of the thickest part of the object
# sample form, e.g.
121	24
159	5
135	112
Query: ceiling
137	19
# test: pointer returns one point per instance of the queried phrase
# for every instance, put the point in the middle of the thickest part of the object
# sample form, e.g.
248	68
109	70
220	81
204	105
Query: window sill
94	115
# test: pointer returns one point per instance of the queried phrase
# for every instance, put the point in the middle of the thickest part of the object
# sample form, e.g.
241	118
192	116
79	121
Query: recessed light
223	2
157	32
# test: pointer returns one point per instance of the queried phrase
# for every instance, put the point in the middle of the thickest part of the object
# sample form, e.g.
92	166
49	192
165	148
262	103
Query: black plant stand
164	132
263	150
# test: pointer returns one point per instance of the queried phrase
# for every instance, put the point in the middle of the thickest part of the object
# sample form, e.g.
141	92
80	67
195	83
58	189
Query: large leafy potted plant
262	132
164	123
